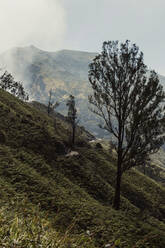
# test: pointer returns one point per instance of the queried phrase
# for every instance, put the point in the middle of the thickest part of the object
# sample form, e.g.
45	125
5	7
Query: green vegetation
48	199
8	83
27	226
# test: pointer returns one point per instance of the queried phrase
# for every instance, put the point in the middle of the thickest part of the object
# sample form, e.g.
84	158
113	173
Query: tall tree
130	103
72	116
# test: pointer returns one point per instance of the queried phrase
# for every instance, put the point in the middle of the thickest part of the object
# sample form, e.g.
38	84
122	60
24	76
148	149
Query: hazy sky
84	25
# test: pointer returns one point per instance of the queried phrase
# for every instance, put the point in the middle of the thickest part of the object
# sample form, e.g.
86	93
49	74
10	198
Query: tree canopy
8	83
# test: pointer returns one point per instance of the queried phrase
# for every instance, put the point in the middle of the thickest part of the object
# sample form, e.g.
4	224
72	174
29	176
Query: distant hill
66	72
50	198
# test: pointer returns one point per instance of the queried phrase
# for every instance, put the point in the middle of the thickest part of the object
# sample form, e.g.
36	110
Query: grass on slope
66	192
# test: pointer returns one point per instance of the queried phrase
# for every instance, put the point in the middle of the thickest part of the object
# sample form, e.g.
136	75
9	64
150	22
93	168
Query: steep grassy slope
40	184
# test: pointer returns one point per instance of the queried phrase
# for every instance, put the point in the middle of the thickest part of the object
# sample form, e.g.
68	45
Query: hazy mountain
64	71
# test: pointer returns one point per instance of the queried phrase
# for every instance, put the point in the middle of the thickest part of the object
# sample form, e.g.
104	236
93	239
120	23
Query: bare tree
52	105
72	116
129	102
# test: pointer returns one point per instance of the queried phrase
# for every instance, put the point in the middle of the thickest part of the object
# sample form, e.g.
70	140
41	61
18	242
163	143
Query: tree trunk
116	202
144	169
73	135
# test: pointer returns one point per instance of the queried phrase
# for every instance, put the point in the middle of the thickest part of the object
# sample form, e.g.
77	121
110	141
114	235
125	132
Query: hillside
69	196
66	72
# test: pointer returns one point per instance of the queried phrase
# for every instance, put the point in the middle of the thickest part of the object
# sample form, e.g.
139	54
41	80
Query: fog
26	22
84	24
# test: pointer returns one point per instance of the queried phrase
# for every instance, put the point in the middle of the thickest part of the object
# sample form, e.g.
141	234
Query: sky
84	24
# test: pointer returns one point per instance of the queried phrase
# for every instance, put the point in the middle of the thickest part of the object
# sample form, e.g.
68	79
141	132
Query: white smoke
26	22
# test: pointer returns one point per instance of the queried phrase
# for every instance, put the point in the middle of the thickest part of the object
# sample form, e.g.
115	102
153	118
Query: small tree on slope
72	116
52	105
8	83
130	103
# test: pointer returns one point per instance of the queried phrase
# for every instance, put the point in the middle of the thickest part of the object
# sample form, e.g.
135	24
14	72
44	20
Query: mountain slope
73	191
66	72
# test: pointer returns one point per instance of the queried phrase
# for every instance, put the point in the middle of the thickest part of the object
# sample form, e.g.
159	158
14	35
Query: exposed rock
72	153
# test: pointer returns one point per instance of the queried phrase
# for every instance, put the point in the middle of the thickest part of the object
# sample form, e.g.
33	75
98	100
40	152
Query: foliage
129	103
8	83
30	228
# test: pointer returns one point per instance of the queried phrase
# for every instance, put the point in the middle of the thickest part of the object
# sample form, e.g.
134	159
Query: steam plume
26	22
